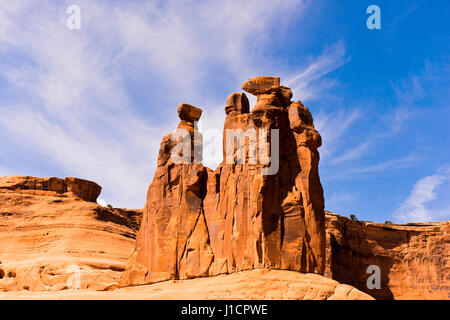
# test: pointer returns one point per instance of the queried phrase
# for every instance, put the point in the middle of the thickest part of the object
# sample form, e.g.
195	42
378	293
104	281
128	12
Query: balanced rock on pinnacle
188	112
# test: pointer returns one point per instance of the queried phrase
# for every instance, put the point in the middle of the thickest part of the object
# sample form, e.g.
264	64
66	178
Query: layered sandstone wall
54	236
414	259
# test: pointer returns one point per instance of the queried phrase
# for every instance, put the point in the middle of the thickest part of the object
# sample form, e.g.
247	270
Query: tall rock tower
262	207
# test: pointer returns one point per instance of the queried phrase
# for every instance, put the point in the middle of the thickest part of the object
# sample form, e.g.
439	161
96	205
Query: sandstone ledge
84	189
47	230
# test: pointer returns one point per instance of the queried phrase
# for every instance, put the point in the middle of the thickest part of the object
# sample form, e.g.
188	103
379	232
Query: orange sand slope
254	284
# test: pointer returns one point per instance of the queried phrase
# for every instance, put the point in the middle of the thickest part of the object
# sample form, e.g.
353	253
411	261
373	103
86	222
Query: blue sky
95	102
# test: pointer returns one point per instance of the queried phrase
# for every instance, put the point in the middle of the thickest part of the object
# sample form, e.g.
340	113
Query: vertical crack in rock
247	214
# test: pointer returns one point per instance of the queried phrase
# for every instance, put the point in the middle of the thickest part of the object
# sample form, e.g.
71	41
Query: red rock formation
268	221
247	214
414	259
173	240
50	228
43	233
83	189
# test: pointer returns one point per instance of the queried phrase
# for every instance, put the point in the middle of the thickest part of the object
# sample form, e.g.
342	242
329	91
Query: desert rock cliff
54	236
414	259
46	233
252	212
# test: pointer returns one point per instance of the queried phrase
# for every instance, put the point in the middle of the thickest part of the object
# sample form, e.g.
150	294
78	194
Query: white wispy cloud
388	125
416	207
310	82
73	109
364	170
332	127
189	42
338	199
354	153
392	164
415	95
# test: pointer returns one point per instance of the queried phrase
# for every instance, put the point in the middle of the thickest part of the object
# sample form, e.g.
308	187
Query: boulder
261	85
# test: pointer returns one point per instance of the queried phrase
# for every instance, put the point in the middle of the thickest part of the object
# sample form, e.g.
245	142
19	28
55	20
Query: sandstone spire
249	213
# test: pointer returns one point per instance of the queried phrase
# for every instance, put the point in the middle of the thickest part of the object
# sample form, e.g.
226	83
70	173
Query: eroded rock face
173	241
414	259
268	221
83	189
237	103
53	236
248	213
